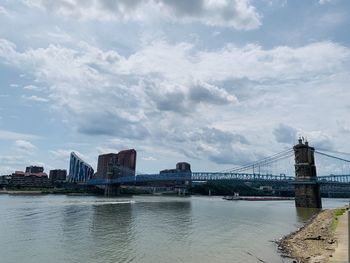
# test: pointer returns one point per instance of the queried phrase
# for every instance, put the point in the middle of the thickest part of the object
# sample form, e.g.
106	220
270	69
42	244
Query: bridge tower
307	189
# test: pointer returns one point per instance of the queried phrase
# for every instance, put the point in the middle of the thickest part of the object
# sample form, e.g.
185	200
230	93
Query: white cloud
322	2
206	93
250	61
87	63
10	163
149	158
285	134
35	98
239	14
343	126
10	135
64	154
320	139
12	159
33	87
25	146
176	79
145	97
332	19
4	11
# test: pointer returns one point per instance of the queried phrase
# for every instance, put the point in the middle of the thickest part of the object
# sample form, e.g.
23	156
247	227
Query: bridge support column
112	190
307	189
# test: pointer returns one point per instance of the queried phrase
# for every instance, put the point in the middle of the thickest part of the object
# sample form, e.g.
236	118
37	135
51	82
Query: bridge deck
208	176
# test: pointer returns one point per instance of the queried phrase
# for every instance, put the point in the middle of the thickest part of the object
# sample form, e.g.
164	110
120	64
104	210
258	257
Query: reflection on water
144	229
112	233
304	214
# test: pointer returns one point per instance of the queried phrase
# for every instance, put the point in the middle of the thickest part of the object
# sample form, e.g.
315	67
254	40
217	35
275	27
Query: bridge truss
254	172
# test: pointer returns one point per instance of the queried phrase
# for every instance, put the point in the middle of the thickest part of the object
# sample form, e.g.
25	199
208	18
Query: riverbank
316	241
341	234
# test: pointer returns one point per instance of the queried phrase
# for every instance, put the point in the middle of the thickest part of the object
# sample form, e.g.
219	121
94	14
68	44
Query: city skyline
213	83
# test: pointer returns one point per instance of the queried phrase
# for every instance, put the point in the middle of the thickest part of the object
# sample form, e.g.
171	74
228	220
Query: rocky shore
315	241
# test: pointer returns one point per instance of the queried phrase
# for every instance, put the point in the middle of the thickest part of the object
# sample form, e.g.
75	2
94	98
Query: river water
89	229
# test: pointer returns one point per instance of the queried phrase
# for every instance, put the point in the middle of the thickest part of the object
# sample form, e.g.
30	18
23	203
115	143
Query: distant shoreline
25	192
44	192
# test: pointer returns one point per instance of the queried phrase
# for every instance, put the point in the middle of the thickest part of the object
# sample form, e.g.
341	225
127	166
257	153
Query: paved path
341	252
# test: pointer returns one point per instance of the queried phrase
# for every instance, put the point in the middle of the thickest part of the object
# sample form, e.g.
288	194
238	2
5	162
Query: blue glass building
79	171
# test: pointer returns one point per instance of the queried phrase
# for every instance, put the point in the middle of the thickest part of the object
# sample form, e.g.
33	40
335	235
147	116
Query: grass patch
339	212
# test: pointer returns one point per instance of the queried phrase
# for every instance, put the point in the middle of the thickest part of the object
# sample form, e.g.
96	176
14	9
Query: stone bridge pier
111	189
307	189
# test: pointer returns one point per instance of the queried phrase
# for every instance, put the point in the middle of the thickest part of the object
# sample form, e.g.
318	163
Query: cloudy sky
217	83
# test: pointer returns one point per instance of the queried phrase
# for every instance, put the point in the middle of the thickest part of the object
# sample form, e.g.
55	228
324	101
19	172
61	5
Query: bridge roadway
211	176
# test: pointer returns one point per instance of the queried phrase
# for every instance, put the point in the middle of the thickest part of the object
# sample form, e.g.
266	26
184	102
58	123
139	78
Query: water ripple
142	229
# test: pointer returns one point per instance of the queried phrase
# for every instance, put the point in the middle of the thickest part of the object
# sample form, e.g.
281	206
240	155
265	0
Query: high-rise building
127	162
79	171
58	175
183	167
182	170
124	162
33	177
34	169
104	160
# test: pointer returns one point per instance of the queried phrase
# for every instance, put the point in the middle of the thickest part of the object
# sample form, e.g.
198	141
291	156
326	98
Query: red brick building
124	160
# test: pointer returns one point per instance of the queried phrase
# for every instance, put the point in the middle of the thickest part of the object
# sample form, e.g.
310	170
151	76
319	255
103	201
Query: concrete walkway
341	252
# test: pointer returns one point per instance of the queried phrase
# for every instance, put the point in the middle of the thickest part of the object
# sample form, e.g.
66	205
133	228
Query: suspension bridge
291	170
335	170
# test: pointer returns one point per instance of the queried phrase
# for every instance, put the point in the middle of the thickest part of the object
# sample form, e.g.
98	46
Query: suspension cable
265	161
331	156
333	151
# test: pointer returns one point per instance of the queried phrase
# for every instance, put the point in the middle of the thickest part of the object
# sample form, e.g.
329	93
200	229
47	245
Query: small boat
235	196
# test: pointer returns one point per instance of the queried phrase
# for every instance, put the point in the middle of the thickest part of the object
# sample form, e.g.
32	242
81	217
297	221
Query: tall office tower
79	171
183	167
104	160
58	175
127	162
34	169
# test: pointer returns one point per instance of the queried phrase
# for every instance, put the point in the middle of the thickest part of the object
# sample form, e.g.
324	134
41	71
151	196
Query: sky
216	83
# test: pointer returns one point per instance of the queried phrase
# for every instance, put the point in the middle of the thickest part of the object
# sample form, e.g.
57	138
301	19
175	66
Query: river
72	229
